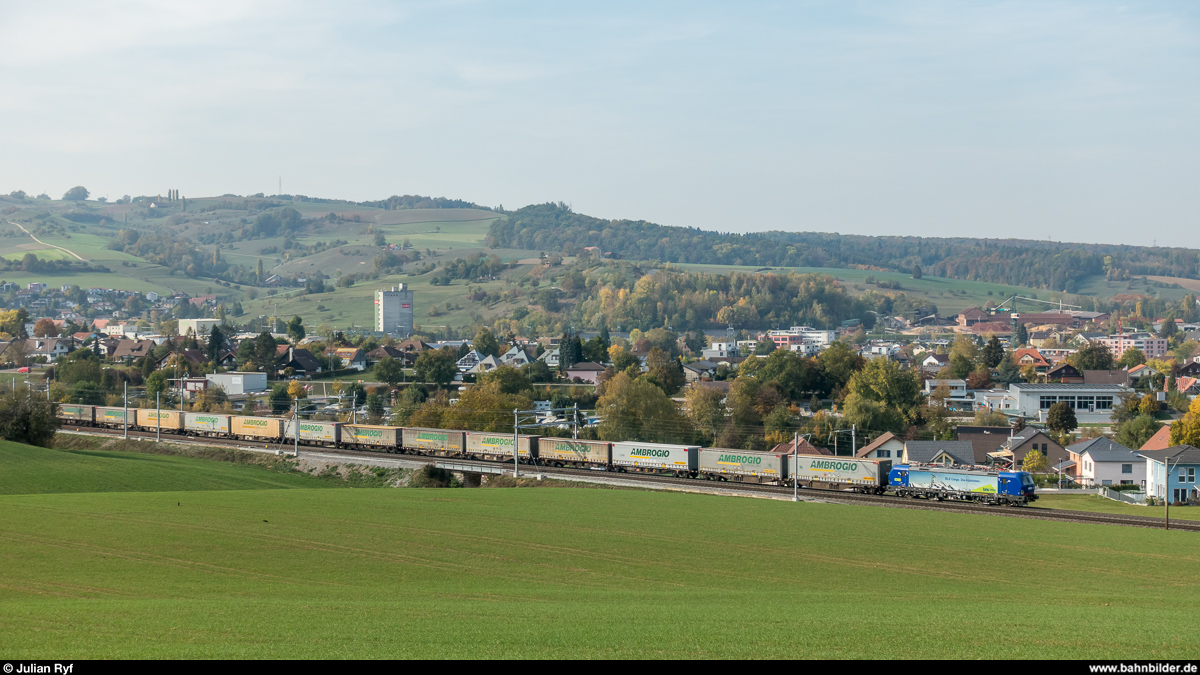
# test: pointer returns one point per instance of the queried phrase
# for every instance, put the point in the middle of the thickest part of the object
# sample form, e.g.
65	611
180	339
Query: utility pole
795	460
158	417
575	423
1167	489
853	440
125	417
516	439
296	423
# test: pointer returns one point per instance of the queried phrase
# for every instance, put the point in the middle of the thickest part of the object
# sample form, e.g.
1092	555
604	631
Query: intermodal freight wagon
163	420
743	466
861	475
574	452
490	445
206	424
446	442
79	414
114	417
681	459
257	428
370	435
314	433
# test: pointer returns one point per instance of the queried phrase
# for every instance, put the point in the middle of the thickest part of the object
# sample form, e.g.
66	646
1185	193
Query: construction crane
1013	300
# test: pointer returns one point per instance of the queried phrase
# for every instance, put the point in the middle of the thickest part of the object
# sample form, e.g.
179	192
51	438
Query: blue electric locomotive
973	485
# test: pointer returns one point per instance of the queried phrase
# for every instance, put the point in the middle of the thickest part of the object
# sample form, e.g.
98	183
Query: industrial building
394	311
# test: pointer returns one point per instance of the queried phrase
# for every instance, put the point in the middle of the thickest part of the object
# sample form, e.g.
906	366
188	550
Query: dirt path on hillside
77	256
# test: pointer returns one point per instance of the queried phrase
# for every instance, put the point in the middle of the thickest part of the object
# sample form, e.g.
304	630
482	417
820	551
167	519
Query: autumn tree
45	328
1186	430
706	410
389	370
1035	462
436	365
636	409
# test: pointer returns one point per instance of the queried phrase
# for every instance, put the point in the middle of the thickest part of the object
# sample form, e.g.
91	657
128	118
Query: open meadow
218	567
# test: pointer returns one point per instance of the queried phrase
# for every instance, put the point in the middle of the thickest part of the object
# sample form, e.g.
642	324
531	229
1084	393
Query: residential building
469	361
946	453
799	447
960	397
198	327
1102	461
935	362
1151	345
1161	440
1171	473
588	371
984	440
801	338
351	357
887	446
394	311
1106	377
1020	443
1028	356
550	357
302	362
721	350
132	349
515	357
1065	373
700	370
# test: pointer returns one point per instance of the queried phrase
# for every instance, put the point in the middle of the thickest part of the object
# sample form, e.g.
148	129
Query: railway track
824	495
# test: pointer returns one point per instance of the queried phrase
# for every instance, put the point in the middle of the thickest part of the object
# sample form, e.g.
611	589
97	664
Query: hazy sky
1055	120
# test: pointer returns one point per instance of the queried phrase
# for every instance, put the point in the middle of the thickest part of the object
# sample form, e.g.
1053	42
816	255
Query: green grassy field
1102	505
303	573
29	470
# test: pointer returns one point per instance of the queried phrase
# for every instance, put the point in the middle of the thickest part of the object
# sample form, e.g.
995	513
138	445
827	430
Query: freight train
873	476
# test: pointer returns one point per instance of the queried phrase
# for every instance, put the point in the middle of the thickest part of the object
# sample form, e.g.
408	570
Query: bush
26	417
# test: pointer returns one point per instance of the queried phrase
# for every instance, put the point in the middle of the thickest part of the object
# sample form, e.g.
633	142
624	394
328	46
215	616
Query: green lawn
1101	505
382	573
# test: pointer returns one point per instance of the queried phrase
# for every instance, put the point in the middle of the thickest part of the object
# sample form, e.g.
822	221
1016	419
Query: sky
1070	121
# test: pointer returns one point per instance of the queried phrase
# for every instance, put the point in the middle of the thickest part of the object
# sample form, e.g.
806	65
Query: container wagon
257	428
574	452
445	442
314	433
206	424
743	466
114	417
655	457
853	473
488	445
166	420
989	487
371	436
79	414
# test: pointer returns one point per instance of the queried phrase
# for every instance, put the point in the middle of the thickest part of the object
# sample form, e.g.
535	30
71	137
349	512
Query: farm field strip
582	573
